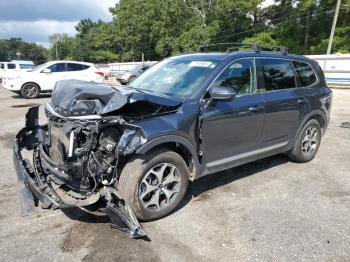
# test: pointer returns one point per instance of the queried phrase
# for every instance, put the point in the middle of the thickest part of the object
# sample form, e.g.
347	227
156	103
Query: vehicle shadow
212	181
44	95
88	216
195	188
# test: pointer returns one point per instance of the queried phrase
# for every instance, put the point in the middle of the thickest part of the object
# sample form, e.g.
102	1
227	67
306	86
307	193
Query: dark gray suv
131	151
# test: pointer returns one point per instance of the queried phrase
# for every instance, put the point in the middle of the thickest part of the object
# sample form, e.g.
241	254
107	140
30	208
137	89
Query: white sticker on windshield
200	63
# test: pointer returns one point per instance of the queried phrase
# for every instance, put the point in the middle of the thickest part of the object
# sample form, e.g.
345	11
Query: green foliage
262	38
63	43
28	51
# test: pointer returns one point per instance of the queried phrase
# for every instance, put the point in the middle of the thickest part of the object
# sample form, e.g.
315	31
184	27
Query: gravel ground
269	210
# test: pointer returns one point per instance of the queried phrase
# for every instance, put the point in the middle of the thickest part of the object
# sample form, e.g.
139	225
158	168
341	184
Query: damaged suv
134	149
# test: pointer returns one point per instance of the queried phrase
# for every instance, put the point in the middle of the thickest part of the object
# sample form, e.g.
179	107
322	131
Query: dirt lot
269	210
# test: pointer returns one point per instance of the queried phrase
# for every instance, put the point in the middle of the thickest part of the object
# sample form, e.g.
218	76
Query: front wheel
30	90
307	142
131	79
154	184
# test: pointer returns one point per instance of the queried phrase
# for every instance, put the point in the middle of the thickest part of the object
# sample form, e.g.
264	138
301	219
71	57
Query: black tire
30	90
136	170
300	153
132	78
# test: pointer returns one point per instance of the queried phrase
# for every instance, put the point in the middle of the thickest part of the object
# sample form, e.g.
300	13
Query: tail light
98	72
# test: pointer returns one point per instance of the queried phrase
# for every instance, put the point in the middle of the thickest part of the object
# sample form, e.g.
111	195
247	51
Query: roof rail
255	47
282	49
236	45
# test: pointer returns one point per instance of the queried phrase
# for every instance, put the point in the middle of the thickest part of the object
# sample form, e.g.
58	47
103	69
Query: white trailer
335	67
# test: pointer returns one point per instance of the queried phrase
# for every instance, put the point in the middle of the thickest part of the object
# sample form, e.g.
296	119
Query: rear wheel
154	184
30	90
307	143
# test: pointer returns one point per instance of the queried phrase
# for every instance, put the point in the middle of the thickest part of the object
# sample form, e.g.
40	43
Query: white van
15	67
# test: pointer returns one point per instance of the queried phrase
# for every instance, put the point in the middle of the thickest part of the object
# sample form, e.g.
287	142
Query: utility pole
329	49
56	50
58	39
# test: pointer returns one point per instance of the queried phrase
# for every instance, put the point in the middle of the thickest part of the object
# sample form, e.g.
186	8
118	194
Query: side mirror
222	93
46	70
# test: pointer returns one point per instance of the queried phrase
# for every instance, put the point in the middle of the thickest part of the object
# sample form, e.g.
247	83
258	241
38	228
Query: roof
70	61
22	62
238	54
202	56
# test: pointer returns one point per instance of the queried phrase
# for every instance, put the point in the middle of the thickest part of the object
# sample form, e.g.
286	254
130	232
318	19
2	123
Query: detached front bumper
26	175
35	187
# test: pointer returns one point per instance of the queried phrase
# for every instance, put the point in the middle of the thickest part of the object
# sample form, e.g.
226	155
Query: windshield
179	78
40	67
135	70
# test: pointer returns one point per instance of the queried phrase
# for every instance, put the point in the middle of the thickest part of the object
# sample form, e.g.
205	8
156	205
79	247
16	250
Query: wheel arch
178	144
317	115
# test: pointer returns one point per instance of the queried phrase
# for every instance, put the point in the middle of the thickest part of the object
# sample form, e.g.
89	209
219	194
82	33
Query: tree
29	51
61	46
263	38
161	28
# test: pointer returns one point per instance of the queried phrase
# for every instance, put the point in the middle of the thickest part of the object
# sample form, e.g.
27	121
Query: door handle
302	100
256	109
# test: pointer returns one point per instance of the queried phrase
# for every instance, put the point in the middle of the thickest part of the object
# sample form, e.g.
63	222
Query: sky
35	20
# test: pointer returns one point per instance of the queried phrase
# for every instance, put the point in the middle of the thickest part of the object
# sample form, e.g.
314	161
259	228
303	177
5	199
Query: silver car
129	76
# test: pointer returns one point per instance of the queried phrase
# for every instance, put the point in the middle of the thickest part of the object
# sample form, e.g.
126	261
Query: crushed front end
75	163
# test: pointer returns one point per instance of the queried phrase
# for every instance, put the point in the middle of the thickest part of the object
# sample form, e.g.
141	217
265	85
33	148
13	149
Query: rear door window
305	73
277	74
2	66
11	66
76	67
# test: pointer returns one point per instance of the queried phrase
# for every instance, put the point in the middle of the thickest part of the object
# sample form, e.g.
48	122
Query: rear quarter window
76	67
305	73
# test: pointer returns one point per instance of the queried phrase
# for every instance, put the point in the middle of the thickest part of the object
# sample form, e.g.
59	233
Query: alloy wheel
309	141
159	187
30	90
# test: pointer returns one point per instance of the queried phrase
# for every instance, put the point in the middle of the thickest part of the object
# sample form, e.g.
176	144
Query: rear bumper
37	187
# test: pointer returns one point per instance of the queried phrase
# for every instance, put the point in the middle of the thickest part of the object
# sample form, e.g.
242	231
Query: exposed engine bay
78	153
88	150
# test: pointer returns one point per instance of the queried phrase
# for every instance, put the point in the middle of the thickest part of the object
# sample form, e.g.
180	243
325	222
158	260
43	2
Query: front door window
240	75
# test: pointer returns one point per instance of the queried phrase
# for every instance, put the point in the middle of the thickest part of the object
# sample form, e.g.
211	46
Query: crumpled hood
80	98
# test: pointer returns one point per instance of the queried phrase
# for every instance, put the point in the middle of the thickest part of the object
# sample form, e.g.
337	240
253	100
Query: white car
15	67
44	77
